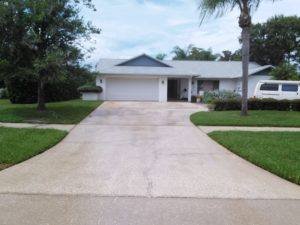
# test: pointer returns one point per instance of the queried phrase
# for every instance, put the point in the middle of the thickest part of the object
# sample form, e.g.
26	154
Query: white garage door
135	89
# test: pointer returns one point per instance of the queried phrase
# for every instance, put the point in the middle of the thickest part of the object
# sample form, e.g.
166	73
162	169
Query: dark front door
172	89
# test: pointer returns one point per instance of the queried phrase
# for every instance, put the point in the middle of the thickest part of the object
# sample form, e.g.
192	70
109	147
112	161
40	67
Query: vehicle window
269	87
290	87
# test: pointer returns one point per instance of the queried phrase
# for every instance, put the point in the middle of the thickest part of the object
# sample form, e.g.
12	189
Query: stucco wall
227	84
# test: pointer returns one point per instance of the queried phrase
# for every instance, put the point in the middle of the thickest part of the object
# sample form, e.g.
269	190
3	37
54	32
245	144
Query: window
269	87
290	87
216	85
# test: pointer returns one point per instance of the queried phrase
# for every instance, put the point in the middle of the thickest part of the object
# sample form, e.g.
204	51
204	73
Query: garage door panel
135	89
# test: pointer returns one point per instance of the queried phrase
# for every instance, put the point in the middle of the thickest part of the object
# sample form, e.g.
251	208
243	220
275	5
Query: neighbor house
144	78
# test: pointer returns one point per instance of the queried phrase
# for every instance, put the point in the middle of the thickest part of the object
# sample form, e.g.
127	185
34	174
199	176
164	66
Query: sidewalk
63	127
208	129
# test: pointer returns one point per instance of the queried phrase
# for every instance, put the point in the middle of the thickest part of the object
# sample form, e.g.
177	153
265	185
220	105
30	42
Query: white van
277	89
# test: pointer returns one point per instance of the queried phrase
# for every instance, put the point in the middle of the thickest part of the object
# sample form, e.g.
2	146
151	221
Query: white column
190	89
163	89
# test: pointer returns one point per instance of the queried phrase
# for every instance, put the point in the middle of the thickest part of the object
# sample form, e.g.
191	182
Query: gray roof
201	69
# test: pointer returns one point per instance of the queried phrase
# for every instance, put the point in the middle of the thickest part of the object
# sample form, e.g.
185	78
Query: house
144	78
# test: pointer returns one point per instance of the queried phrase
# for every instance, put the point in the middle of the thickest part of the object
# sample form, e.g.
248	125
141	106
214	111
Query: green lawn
277	152
255	118
17	145
69	112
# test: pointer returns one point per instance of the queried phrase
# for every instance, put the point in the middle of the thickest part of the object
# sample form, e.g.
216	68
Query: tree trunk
245	59
41	96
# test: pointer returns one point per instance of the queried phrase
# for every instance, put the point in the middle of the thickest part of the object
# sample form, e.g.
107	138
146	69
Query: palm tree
218	7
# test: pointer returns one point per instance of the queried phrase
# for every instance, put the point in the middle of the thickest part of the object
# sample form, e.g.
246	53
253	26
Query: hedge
89	88
257	104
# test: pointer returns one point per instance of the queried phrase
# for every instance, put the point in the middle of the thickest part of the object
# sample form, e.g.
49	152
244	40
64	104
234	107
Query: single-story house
144	78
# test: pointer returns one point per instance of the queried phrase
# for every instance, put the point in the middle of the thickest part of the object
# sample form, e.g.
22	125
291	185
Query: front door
172	89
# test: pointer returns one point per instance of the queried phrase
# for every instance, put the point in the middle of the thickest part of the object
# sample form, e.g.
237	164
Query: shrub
284	105
257	104
269	104
210	96
90	88
229	104
295	105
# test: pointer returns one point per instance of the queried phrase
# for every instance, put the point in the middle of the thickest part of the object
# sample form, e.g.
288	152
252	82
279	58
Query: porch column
190	89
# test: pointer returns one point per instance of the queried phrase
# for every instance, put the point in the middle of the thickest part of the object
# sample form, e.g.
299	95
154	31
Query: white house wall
227	84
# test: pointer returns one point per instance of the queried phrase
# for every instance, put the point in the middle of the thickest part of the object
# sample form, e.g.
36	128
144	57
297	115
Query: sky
133	27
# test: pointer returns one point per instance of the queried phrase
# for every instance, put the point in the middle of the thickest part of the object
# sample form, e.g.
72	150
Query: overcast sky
133	27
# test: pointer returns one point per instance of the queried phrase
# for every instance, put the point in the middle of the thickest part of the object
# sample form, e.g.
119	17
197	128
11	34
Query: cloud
132	27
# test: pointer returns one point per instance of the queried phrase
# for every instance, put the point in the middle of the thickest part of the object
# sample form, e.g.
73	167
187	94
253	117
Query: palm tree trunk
41	97
245	59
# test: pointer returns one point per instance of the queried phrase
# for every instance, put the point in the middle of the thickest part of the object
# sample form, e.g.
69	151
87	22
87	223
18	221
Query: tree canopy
193	53
231	56
161	56
42	38
276	41
285	71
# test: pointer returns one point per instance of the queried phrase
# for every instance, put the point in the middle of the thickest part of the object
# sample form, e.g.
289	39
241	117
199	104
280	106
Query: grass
68	112
277	152
255	118
17	145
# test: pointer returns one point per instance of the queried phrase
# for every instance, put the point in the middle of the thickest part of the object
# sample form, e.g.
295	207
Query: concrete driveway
143	163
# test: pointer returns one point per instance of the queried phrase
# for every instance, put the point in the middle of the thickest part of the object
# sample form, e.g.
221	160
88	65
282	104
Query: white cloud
133	27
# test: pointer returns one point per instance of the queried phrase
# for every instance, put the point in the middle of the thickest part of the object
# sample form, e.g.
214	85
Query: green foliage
285	71
229	104
38	38
229	56
257	104
90	88
210	96
277	152
23	89
276	41
161	56
193	53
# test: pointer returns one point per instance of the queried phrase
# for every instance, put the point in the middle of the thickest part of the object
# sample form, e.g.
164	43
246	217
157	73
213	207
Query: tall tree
161	56
276	41
285	71
180	53
218	7
231	56
193	53
49	32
